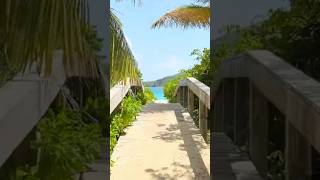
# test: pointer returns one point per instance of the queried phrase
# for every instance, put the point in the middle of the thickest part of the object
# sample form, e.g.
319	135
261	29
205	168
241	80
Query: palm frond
122	61
34	29
186	16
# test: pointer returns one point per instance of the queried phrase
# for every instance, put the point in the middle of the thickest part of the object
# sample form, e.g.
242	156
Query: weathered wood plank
294	93
23	101
229	162
117	93
201	90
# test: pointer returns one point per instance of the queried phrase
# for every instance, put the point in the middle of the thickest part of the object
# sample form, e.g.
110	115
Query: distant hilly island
159	82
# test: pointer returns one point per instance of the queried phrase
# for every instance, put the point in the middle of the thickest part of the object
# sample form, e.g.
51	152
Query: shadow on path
193	143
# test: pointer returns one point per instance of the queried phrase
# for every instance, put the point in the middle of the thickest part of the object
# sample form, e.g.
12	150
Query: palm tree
122	61
193	15
31	31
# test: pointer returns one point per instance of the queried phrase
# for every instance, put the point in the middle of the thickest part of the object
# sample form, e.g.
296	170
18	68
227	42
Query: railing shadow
193	144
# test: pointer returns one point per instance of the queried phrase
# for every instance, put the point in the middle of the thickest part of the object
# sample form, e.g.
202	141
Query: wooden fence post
190	101
178	95
229	108
258	140
297	154
203	115
185	96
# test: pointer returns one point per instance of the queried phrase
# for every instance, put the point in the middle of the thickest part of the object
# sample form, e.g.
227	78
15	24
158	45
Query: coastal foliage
130	107
194	15
67	145
68	140
97	109
200	71
291	34
122	61
170	86
146	96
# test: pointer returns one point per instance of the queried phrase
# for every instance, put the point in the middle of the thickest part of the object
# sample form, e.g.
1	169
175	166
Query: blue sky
159	52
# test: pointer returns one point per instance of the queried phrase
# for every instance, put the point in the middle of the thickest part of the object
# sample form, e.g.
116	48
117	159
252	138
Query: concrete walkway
163	144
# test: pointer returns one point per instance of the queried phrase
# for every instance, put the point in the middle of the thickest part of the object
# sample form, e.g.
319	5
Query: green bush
170	87
26	173
130	108
200	71
147	96
97	108
67	145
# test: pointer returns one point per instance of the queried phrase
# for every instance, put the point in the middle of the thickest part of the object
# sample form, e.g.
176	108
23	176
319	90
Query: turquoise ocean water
158	92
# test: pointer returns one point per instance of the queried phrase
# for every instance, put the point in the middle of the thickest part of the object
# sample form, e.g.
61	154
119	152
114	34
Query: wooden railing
256	90
119	91
24	100
185	92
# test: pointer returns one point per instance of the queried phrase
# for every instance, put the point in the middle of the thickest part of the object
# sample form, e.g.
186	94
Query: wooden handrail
201	90
119	91
247	86
23	101
185	92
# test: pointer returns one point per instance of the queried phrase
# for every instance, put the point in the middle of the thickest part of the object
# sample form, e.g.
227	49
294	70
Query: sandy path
162	144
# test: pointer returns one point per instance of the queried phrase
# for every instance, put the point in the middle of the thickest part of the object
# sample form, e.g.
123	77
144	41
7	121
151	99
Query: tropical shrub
147	96
97	108
130	107
170	86
67	145
293	35
26	173
200	71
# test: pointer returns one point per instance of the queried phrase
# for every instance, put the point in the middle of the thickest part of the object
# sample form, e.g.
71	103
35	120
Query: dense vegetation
130	107
147	96
293	34
199	71
67	145
68	141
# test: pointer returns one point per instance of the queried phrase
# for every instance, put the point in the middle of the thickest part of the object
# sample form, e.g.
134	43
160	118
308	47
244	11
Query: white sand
162	144
161	101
